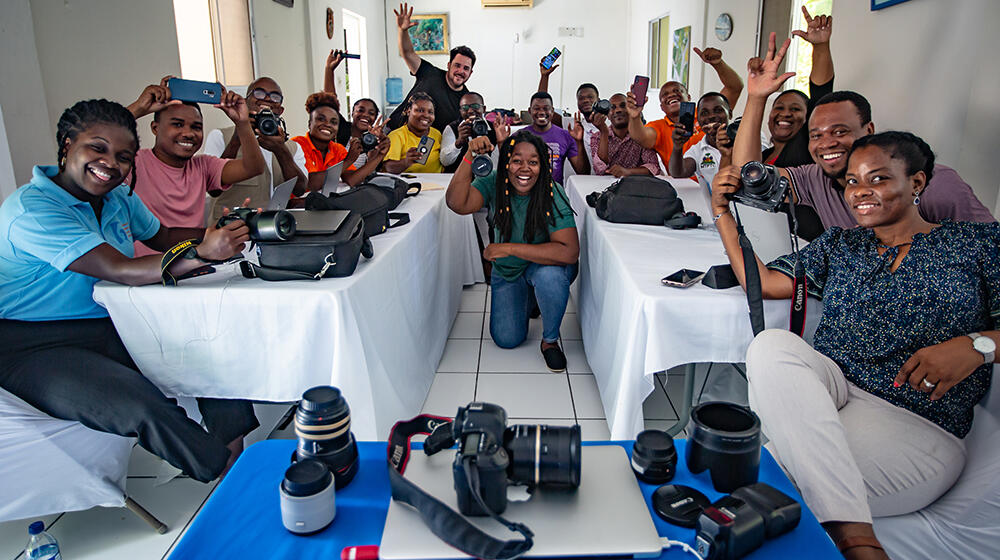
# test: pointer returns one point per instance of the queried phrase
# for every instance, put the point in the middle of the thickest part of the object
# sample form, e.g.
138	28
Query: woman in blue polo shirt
71	226
536	247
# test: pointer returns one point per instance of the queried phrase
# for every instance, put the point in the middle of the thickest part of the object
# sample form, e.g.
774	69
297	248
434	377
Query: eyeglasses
470	106
261	95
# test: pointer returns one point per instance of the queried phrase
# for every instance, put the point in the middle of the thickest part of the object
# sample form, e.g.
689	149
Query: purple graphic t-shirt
561	146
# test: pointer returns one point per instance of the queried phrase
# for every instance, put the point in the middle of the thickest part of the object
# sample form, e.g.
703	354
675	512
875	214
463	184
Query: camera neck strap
446	523
755	297
800	296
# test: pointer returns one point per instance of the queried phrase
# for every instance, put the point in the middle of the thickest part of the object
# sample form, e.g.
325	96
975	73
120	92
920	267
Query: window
659	51
799	54
214	41
356	70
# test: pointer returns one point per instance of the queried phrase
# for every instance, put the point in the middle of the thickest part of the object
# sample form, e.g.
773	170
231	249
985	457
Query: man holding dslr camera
613	151
283	158
472	124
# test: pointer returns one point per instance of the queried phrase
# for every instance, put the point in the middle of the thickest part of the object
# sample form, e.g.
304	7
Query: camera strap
755	297
800	296
446	523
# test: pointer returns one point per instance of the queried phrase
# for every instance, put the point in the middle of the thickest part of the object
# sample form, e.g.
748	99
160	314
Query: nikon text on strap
446	523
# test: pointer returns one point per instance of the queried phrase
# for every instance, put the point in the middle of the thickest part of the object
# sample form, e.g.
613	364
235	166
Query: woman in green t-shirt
536	247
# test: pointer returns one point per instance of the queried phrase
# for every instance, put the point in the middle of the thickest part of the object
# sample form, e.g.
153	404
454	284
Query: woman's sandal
847	543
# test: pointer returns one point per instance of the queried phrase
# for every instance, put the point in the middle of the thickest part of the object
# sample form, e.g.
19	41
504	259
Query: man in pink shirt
170	179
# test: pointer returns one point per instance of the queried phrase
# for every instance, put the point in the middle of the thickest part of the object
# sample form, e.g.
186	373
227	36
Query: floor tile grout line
190	519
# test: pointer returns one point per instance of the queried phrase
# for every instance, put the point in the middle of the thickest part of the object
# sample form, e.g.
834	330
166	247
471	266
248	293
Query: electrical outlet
571	32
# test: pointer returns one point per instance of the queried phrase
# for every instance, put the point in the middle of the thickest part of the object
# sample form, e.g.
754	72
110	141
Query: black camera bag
640	199
397	187
323	254
371	202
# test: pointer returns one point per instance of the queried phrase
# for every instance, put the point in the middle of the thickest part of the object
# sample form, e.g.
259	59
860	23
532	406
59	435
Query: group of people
869	420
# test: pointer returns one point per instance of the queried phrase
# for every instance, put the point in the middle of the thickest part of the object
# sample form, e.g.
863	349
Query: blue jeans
513	302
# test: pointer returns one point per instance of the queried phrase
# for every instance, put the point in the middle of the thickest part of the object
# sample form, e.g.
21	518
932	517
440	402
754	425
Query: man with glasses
285	161
455	137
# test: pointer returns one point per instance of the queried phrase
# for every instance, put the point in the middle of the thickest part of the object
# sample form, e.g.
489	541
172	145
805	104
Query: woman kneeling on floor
871	419
536	249
71	226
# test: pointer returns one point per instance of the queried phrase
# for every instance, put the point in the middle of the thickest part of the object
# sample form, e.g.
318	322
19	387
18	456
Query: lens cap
320	399
679	505
306	478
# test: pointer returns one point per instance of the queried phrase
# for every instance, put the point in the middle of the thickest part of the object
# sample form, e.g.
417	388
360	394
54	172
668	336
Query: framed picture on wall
682	55
879	4
430	34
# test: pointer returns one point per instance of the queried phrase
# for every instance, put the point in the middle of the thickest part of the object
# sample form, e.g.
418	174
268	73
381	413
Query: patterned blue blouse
948	285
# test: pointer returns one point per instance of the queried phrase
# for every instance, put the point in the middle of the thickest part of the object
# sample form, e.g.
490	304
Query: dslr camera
270	225
267	123
482	165
603	106
761	187
731	131
492	455
368	142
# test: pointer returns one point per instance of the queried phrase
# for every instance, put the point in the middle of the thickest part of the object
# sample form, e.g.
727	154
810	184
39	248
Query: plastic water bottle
41	545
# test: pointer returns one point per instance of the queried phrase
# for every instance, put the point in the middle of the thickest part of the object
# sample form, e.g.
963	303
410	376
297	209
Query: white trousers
851	454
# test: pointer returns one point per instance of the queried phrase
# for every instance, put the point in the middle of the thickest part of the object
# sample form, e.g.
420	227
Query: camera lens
480	128
725	438
272	225
368	141
603	107
757	179
654	458
323	427
544	455
482	165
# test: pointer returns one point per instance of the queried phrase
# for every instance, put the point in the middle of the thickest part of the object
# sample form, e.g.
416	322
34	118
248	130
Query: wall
510	41
928	67
29	138
282	54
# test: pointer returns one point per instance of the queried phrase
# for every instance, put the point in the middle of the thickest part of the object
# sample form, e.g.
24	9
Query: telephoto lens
307	497
725	439
323	427
654	458
544	455
271	225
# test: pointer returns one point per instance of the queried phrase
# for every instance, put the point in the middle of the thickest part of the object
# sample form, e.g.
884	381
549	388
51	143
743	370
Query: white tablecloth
378	335
632	325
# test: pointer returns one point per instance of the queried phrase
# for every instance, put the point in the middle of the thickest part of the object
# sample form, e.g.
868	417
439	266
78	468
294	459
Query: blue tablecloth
242	518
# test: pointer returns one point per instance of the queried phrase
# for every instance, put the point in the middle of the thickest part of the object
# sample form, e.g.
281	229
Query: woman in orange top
320	144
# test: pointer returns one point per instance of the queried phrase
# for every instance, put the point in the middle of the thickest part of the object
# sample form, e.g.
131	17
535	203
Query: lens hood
725	440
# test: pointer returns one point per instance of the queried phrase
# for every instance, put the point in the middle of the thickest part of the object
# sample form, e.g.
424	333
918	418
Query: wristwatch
984	345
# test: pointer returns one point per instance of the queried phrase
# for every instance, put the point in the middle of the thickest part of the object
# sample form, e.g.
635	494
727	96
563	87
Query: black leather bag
638	200
372	203
397	187
329	253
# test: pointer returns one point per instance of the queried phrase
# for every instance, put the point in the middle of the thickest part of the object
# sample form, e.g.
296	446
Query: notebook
332	182
281	194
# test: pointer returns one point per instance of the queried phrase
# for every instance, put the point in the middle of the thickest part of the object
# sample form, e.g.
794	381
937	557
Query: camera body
533	455
731	131
761	187
603	106
270	225
480	127
267	123
482	165
368	142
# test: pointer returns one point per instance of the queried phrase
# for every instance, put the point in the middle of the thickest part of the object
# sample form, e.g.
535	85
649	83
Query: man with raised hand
837	120
446	88
613	151
658	134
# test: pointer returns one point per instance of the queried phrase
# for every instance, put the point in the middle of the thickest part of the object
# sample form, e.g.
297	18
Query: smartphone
686	116
424	147
639	88
683	278
550	59
354	56
197	92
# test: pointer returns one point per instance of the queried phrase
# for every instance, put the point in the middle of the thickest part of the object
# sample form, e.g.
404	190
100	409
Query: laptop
317	222
281	195
607	515
332	182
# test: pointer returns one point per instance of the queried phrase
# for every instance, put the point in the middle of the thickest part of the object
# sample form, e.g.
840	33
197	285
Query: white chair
965	522
51	466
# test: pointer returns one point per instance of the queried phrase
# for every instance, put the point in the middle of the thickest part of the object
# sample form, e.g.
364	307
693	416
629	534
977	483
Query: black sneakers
555	360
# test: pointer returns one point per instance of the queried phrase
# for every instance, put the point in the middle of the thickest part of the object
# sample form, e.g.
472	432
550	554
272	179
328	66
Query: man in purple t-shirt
562	144
838	119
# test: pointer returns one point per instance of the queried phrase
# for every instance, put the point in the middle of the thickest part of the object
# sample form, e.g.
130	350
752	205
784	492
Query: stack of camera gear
267	123
482	164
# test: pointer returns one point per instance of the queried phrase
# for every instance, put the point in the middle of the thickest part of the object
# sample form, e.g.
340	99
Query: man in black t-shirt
445	88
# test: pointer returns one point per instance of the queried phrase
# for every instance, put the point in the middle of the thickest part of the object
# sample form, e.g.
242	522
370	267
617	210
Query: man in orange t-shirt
659	133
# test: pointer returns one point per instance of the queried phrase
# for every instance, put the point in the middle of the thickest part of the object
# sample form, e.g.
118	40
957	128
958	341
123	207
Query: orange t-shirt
315	160
664	138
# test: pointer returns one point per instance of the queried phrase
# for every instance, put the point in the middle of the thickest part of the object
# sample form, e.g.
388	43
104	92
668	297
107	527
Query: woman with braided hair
69	227
536	246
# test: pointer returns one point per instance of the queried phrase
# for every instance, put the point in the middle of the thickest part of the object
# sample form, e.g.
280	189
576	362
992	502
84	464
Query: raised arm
732	85
580	162
818	31
762	80
680	166
333	60
153	98
252	163
543	78
403	24
645	136
461	196
774	285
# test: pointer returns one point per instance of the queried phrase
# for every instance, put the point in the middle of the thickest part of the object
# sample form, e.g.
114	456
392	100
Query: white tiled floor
472	368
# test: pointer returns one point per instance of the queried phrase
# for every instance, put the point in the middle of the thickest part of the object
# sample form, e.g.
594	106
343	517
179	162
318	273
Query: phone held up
424	147
193	91
550	59
683	278
639	88
686	116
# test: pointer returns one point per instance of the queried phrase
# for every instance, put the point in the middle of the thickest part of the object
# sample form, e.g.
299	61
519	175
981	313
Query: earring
62	163
916	200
